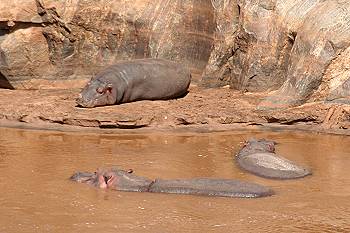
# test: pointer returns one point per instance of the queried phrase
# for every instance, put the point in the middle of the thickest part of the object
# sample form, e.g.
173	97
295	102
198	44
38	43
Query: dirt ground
200	110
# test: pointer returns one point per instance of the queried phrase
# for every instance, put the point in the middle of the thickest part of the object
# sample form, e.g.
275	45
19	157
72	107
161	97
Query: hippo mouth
81	102
94	179
83	177
100	179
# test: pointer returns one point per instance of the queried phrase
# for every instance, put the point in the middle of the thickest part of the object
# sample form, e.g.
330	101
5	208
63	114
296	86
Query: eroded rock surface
50	44
322	37
294	47
297	50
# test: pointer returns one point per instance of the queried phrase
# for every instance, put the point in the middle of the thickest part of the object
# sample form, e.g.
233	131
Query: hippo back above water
139	79
258	157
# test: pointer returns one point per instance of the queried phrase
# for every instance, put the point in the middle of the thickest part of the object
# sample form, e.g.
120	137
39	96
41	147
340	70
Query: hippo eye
99	90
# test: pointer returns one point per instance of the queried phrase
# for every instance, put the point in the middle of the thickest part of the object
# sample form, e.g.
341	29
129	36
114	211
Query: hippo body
210	187
123	181
259	158
139	79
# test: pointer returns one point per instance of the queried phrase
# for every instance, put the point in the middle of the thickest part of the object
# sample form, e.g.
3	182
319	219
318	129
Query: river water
37	196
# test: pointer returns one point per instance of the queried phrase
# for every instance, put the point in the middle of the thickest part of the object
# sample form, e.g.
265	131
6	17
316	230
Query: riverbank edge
201	110
193	129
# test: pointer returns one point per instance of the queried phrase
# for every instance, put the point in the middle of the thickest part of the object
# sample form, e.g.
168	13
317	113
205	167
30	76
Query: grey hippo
258	157
116	179
139	79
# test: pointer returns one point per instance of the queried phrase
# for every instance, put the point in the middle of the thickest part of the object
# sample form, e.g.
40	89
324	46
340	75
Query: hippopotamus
258	157
139	79
121	180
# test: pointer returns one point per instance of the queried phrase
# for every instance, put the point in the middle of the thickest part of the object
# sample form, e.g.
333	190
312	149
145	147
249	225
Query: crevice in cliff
243	41
56	31
8	27
4	83
285	121
292	37
50	15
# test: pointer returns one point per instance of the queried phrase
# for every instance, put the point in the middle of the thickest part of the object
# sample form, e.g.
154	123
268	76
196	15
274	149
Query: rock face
322	37
219	68
65	42
296	47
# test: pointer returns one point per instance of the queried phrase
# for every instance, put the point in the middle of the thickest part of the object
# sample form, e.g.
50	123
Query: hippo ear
108	87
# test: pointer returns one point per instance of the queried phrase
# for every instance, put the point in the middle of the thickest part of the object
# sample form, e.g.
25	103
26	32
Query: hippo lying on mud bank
258	157
121	180
140	79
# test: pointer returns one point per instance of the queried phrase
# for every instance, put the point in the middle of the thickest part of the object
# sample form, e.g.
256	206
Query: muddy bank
216	109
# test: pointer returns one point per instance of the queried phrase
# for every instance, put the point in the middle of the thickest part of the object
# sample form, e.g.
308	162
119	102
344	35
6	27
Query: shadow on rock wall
295	49
53	44
4	83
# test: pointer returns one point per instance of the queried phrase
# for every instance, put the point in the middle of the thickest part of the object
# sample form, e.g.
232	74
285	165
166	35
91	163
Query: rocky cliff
46	43
296	49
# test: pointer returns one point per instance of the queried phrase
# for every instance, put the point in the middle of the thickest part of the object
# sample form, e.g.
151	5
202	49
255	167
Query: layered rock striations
46	43
296	47
298	50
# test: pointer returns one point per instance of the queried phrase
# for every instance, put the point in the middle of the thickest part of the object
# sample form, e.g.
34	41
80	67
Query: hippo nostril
106	179
80	101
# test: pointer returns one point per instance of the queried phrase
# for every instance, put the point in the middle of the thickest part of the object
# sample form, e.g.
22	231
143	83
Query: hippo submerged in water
139	79
258	157
121	180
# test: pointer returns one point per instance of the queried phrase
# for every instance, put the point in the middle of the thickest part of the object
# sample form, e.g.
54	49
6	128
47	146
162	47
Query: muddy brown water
36	195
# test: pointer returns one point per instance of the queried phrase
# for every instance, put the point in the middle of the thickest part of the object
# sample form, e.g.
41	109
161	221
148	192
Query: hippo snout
81	102
82	177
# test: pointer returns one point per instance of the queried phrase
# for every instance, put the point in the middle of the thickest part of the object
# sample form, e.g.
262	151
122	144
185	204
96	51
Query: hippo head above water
258	145
99	179
97	92
113	178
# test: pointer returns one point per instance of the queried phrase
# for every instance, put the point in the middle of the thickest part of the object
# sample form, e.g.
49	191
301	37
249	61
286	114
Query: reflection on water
36	195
